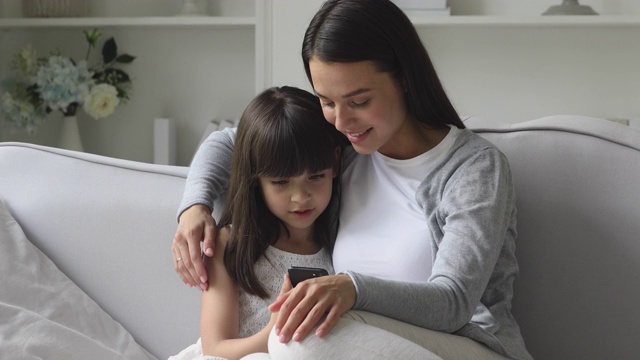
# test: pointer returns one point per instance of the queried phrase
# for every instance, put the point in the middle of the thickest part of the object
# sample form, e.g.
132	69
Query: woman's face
364	104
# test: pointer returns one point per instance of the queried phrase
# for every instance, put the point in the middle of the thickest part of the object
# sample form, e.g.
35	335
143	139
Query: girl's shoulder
222	237
221	240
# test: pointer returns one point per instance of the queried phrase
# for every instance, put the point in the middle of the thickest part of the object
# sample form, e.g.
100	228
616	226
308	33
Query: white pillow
44	315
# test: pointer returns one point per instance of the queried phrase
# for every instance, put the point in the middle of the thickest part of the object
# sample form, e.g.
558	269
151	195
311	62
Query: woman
426	244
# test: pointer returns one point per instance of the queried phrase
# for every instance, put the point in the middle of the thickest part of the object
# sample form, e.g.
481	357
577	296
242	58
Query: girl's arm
220	312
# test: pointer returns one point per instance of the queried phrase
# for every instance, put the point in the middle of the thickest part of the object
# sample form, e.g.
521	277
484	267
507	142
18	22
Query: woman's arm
209	171
208	180
473	223
474	217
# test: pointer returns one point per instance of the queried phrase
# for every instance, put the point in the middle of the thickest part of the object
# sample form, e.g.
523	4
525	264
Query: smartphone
298	274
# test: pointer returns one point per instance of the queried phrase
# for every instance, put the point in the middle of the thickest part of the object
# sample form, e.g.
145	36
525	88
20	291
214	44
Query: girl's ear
336	166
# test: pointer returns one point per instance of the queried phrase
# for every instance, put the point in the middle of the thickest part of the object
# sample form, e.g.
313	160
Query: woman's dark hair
378	31
282	133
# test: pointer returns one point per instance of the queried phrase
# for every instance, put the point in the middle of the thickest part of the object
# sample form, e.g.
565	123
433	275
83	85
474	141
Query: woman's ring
178	259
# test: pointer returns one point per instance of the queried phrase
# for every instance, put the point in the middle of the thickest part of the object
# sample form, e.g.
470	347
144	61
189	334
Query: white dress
254	314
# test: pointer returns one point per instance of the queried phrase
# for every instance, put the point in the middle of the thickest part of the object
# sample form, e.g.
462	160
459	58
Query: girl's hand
195	225
300	309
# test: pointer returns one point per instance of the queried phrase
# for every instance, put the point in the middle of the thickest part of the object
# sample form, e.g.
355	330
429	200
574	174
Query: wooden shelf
528	21
168	21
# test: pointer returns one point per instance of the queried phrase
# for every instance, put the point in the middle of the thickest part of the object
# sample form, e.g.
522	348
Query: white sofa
107	224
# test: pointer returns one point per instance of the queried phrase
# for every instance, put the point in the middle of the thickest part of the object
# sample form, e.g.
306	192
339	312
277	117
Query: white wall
512	75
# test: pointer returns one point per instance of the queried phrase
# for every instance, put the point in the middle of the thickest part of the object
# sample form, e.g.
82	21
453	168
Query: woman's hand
284	290
303	307
195	225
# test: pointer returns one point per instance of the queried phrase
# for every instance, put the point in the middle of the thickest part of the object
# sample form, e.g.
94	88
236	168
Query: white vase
70	134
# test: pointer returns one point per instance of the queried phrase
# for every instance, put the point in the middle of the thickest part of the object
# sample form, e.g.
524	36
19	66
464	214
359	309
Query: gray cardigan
469	203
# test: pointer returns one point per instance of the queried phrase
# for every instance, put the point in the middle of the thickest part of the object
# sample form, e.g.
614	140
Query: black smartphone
299	273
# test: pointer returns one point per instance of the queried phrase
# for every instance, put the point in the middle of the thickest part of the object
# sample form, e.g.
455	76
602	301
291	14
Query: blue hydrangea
61	82
21	114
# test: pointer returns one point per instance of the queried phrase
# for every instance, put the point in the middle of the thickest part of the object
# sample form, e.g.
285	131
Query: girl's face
298	201
365	104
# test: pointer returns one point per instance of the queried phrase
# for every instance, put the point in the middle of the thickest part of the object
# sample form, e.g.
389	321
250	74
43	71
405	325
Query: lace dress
270	270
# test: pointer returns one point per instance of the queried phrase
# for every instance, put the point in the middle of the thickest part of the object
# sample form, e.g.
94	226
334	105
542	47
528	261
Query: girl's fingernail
320	332
296	337
282	339
277	331
203	279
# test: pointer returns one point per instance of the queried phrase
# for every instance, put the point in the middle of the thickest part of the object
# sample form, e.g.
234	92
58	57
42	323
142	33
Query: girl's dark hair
378	31
282	133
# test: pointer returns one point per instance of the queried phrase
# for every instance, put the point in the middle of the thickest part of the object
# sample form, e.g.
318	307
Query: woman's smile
358	137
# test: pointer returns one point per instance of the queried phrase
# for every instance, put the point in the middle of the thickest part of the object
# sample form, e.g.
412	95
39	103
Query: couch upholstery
578	199
108	223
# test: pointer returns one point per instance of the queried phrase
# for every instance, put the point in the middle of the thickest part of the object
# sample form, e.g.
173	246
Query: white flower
102	101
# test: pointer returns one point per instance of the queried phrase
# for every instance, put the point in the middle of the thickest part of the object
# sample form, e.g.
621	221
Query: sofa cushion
44	315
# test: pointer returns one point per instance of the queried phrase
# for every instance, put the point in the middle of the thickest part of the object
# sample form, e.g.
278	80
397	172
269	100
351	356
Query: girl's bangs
293	148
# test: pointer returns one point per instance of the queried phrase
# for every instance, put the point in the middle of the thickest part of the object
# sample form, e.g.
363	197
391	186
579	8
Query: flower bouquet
58	83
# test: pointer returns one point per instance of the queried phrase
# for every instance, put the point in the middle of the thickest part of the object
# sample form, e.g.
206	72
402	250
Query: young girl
284	169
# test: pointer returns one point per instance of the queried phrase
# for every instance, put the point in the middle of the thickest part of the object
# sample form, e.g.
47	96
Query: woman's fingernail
296	337
203	287
277	331
203	279
320	332
282	339
209	252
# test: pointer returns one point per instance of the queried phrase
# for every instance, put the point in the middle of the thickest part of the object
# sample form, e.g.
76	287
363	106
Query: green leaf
125	59
109	51
122	94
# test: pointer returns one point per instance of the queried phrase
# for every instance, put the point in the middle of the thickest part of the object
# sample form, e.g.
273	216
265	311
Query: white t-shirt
380	220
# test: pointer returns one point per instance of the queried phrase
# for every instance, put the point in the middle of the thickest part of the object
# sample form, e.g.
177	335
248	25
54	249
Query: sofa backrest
108	225
577	185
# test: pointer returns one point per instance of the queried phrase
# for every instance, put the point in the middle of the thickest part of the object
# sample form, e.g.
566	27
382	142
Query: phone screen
298	274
